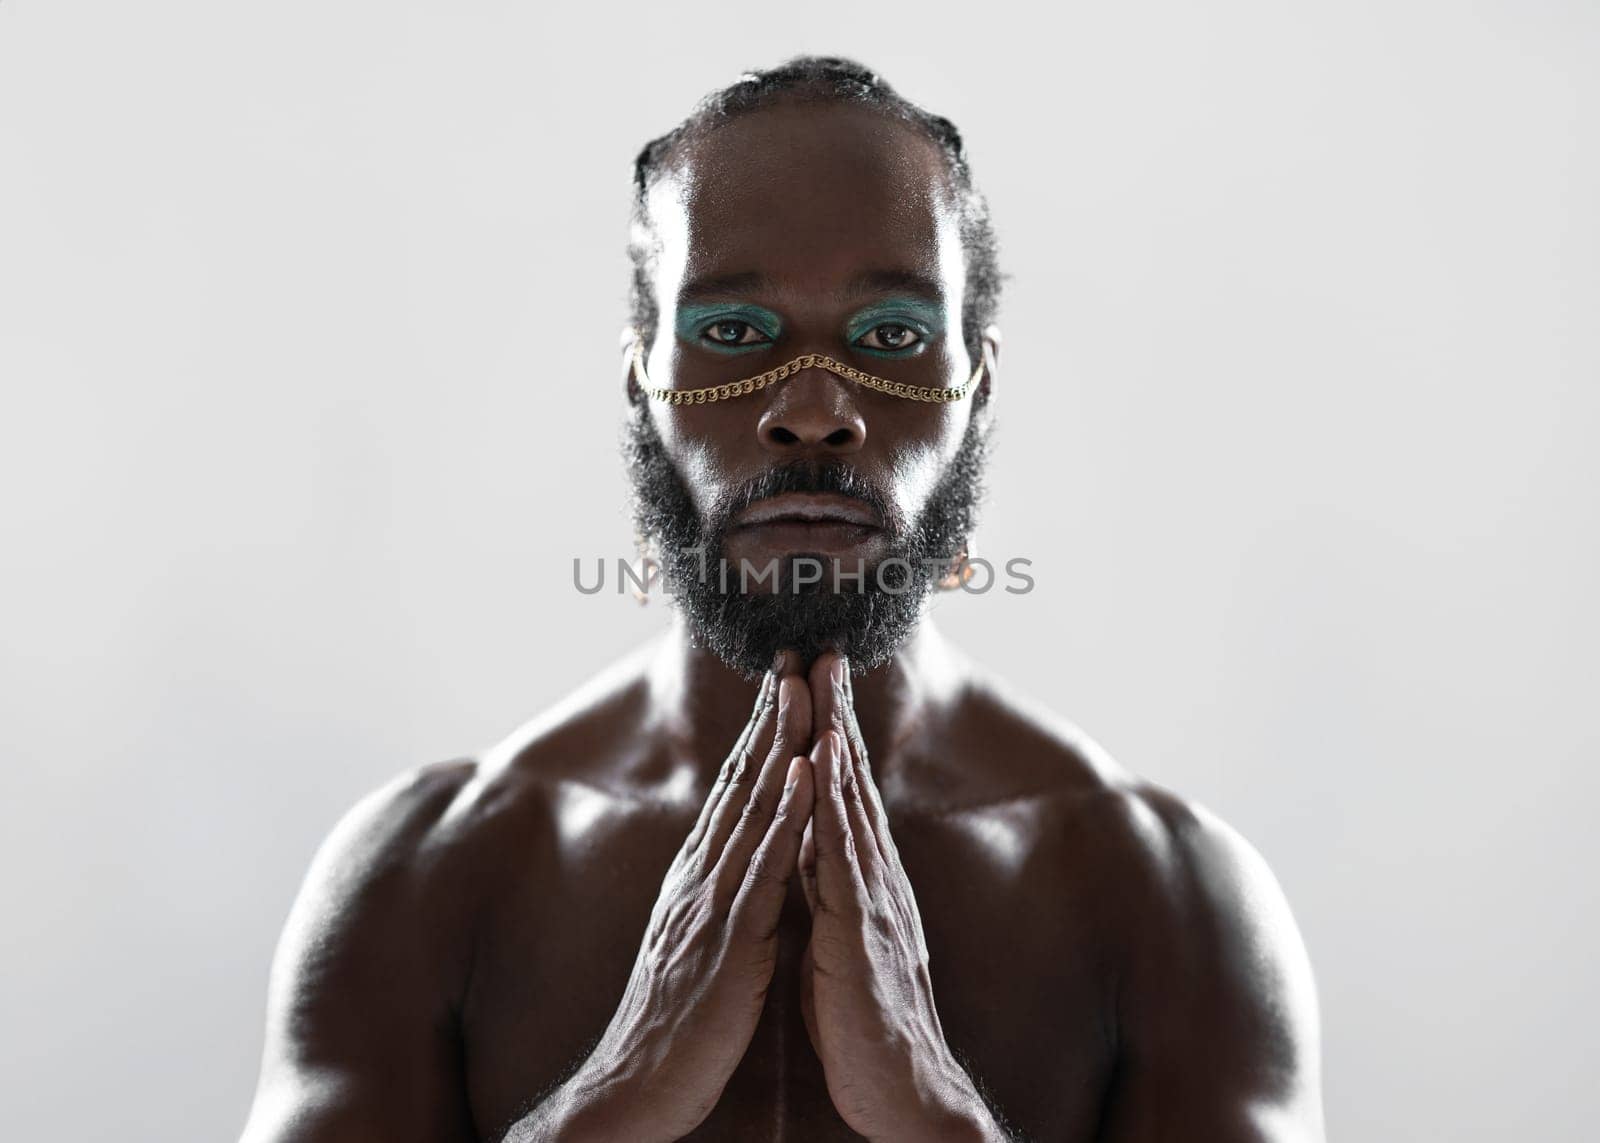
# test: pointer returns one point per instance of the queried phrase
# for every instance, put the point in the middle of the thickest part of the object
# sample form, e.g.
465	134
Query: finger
741	821
738	770
852	723
893	871
763	708
827	692
829	677
871	860
877	816
755	749
766	881
808	861
808	996
839	885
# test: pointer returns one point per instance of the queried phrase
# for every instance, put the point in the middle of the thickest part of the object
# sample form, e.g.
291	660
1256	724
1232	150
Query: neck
701	704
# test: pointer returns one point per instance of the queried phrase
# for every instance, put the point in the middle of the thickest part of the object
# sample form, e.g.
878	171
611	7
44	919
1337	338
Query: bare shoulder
367	882
996	746
1216	1007
374	966
1212	910
364	979
1172	850
1215	998
593	736
423	832
432	827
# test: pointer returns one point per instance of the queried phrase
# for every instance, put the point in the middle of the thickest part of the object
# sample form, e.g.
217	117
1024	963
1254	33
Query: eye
889	335
732	331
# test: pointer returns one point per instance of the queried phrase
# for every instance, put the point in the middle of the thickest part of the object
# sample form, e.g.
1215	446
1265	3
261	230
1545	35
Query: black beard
866	620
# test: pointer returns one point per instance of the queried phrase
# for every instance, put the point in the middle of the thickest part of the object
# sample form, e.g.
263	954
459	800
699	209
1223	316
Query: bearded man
899	903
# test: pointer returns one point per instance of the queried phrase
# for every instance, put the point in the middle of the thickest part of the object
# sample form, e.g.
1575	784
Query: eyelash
742	344
916	333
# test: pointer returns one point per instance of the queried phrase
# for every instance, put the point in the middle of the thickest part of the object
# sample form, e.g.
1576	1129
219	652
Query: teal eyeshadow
926	318
693	320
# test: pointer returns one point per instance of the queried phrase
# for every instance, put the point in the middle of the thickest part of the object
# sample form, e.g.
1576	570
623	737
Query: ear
629	340
991	362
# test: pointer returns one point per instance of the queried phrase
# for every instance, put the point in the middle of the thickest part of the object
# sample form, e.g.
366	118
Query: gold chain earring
645	572
960	570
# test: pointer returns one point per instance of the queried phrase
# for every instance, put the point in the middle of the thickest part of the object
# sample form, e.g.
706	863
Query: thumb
808	998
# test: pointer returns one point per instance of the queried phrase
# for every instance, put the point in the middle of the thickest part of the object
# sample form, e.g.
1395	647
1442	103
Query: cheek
692	445
918	460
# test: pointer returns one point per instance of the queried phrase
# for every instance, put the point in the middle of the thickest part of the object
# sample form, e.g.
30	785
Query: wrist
968	1121
593	1105
949	1110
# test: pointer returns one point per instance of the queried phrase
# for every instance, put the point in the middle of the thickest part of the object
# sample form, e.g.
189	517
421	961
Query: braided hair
819	79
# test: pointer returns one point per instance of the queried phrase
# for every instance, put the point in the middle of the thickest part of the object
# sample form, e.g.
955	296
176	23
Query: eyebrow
868	282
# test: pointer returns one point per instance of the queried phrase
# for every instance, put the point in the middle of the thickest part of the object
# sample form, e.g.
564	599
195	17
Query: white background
308	317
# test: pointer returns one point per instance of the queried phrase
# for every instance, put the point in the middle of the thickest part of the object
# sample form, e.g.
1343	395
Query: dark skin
620	923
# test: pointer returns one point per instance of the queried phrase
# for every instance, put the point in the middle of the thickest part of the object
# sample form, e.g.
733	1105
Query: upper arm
361	1034
1217	1011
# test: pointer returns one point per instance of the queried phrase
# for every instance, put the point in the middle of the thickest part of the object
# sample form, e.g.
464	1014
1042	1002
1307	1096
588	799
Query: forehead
810	197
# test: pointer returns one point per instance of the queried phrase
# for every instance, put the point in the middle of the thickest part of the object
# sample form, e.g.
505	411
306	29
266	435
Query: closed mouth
808	508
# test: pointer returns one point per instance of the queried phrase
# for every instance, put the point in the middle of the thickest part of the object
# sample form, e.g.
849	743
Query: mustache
806	476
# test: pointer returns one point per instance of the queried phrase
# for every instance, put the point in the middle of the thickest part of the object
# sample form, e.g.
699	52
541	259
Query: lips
815	523
808	508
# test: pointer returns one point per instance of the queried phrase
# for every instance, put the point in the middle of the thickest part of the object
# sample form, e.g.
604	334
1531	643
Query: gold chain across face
932	395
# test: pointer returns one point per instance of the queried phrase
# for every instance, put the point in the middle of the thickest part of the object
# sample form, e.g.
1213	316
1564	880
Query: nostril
783	436
838	437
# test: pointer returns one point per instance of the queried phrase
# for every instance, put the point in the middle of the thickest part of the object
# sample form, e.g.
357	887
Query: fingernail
777	663
837	671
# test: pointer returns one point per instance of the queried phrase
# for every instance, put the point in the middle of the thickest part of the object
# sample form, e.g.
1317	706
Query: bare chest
1018	978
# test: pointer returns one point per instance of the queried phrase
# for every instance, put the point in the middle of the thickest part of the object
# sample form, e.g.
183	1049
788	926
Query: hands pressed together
795	795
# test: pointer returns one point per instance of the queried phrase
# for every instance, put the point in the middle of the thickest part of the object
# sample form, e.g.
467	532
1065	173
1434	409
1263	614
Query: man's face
795	229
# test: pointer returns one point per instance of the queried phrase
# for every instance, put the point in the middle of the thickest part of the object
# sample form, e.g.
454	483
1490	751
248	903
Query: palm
866	994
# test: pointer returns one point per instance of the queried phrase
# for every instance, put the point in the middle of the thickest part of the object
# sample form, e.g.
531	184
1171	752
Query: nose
812	411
